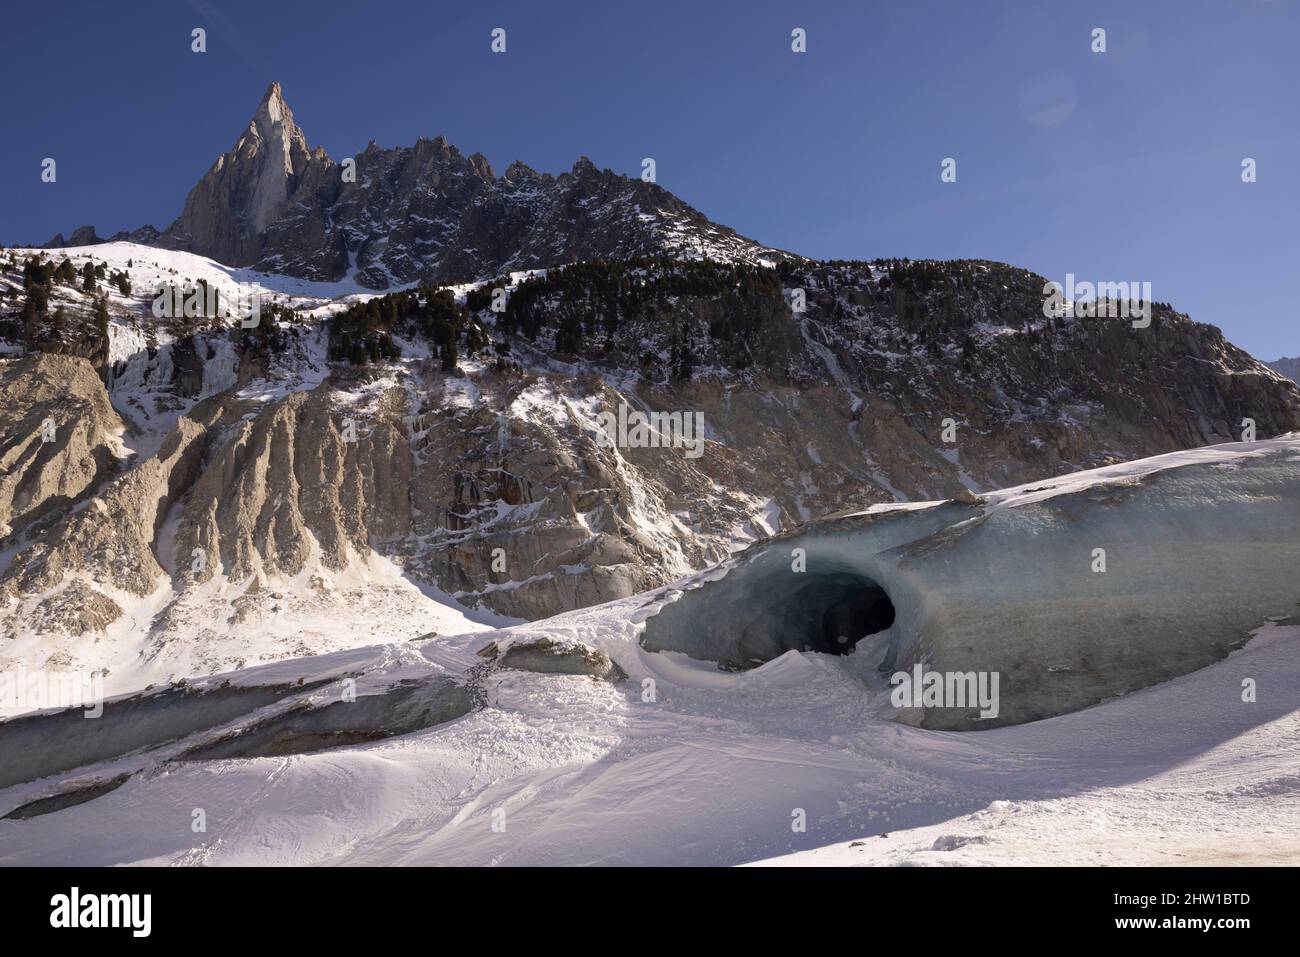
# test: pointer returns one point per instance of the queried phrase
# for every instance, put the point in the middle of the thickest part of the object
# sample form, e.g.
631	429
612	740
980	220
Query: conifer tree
101	317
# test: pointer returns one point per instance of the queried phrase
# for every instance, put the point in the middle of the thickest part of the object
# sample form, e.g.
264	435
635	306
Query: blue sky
1117	166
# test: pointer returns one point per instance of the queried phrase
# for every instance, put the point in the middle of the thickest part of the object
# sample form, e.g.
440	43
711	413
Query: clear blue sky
1116	166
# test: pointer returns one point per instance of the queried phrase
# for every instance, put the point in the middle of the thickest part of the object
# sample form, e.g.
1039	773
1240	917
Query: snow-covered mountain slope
500	760
425	433
897	352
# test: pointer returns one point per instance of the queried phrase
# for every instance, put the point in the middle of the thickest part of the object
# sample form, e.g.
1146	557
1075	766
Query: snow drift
1072	590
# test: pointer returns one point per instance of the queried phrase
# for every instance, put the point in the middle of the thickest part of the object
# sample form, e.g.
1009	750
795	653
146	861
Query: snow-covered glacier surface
452	759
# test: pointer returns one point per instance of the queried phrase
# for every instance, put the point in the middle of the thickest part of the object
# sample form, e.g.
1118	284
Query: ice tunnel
1071	591
829	613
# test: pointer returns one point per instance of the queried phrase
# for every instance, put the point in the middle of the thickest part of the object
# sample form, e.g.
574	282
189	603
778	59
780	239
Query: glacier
683	762
1072	590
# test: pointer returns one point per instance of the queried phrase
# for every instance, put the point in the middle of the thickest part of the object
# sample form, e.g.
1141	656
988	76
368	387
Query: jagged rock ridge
424	213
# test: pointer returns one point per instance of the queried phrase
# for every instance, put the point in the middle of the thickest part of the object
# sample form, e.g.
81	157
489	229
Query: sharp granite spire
424	213
227	213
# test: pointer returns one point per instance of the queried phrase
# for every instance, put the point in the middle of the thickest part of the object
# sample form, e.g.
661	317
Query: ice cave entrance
840	610
763	613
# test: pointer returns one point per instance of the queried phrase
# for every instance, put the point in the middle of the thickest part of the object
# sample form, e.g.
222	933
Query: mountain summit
424	213
227	214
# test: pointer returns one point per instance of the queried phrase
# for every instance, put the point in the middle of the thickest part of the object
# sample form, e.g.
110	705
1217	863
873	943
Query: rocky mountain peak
273	134
228	212
426	213
273	108
482	167
81	236
518	171
275	151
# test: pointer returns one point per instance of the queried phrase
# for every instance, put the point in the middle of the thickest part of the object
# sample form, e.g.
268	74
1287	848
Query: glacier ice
227	721
409	705
44	743
1073	590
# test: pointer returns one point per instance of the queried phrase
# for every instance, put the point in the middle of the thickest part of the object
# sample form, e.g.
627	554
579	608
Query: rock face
113	542
1019	387
56	439
424	213
227	213
285	484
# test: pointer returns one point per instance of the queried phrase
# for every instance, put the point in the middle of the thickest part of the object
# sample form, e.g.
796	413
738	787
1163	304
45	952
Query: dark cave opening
848	614
764	616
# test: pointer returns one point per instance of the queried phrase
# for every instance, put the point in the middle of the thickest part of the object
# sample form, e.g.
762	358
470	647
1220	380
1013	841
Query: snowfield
793	762
152	266
579	772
